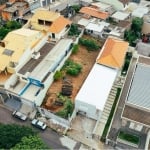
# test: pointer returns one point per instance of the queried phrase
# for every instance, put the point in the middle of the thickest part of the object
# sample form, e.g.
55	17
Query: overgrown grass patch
129	137
90	44
72	68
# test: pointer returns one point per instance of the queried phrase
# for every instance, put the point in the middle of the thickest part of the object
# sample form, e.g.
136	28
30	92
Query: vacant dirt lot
87	60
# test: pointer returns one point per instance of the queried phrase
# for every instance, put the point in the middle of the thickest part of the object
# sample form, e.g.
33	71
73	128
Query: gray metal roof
139	93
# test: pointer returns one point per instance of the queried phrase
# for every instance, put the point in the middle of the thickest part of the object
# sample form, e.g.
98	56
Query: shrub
74	30
75	48
76	8
68	109
91	45
58	75
72	68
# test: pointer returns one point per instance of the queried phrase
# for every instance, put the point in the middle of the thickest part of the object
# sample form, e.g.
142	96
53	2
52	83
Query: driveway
50	137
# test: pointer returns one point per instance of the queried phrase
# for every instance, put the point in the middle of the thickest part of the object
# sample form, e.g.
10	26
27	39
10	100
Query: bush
126	63
75	48
58	75
76	8
74	31
129	137
68	109
91	45
72	68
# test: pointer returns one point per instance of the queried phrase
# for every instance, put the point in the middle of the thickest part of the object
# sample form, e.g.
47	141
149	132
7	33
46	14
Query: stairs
108	105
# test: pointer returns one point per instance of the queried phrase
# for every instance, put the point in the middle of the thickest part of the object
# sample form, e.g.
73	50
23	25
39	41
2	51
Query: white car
39	124
19	115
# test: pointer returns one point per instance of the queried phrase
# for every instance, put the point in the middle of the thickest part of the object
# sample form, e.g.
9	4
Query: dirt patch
86	59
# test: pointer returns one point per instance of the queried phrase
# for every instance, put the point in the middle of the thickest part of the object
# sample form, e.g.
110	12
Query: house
140	11
13	53
94	92
15	10
51	22
94	29
113	53
89	12
103	7
117	4
31	82
33	4
120	16
146	24
136	115
143	48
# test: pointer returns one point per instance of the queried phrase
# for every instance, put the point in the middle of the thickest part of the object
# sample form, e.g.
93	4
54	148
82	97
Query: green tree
31	142
11	134
3	32
12	25
135	32
68	109
137	24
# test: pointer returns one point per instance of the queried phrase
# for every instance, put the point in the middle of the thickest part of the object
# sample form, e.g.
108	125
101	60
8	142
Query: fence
56	119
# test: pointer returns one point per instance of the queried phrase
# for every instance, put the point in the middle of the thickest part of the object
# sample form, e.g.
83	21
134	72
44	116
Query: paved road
50	137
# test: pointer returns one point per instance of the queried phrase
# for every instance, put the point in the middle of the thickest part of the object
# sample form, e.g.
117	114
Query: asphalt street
50	137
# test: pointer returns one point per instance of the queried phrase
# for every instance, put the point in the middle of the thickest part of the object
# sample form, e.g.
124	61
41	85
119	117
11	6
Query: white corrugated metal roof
97	86
139	93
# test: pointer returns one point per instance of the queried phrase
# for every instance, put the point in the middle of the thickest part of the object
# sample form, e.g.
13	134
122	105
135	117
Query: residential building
117	4
101	78
14	10
93	100
136	115
140	11
103	7
55	25
14	53
33	79
120	16
146	24
89	12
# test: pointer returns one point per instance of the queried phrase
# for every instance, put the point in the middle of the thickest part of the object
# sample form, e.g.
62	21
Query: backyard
86	59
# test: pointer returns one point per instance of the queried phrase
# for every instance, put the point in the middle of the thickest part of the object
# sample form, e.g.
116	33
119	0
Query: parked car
19	115
39	124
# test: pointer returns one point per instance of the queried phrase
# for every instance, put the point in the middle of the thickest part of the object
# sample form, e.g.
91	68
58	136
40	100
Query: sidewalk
91	143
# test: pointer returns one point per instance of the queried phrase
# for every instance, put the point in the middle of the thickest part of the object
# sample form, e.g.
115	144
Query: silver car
19	115
39	124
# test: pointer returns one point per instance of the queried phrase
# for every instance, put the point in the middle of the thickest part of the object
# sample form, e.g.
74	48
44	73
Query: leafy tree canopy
31	142
11	134
9	26
137	24
12	25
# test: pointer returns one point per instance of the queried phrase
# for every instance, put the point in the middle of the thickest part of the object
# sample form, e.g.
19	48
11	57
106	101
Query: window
48	23
8	52
41	22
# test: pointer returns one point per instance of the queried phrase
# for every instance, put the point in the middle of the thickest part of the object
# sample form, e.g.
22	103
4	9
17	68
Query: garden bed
130	138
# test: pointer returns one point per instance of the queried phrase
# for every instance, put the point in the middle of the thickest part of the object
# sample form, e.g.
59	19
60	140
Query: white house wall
49	81
89	109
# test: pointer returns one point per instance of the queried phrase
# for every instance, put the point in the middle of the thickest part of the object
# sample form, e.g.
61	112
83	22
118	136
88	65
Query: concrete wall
146	28
56	119
87	109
